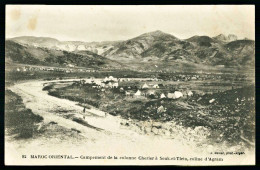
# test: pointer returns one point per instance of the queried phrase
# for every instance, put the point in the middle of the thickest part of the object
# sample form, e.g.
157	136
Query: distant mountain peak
221	35
246	38
229	38
198	38
28	38
158	34
151	47
232	37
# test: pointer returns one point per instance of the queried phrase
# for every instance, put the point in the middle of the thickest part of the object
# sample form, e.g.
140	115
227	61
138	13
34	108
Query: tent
151	92
175	95
170	95
145	86
111	78
156	86
190	93
161	109
162	96
138	93
106	79
127	93
115	85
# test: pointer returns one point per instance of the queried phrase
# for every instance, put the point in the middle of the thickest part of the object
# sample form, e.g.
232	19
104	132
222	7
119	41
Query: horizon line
6	38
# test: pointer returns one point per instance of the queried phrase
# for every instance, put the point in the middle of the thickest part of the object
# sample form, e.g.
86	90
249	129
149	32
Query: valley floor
99	135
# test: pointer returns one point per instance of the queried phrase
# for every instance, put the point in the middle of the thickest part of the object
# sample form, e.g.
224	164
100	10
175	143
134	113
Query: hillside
161	47
224	38
36	41
51	43
28	54
150	45
149	48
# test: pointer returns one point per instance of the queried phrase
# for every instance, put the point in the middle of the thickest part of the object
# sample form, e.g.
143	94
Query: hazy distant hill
46	42
29	54
224	38
147	48
37	41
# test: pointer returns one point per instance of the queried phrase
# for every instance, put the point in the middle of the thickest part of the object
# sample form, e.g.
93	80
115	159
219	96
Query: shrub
18	119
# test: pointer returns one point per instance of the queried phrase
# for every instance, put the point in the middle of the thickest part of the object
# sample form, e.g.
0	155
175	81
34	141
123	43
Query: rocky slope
224	38
157	47
162	47
28	54
51	43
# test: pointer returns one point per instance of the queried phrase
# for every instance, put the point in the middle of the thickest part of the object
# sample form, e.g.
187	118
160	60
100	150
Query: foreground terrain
61	123
223	116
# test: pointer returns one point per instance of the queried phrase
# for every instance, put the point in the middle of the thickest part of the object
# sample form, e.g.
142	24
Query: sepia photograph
129	85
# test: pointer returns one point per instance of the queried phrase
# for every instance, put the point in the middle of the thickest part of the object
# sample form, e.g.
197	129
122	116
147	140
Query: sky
110	23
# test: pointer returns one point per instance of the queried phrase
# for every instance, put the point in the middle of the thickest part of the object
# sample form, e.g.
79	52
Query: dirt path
46	106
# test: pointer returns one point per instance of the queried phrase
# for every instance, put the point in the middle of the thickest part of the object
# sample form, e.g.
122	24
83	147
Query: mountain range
153	47
37	55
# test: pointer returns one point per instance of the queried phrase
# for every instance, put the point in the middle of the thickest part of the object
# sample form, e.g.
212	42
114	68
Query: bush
18	119
46	88
80	121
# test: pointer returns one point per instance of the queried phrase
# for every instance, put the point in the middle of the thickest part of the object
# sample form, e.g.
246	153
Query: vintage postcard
130	85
